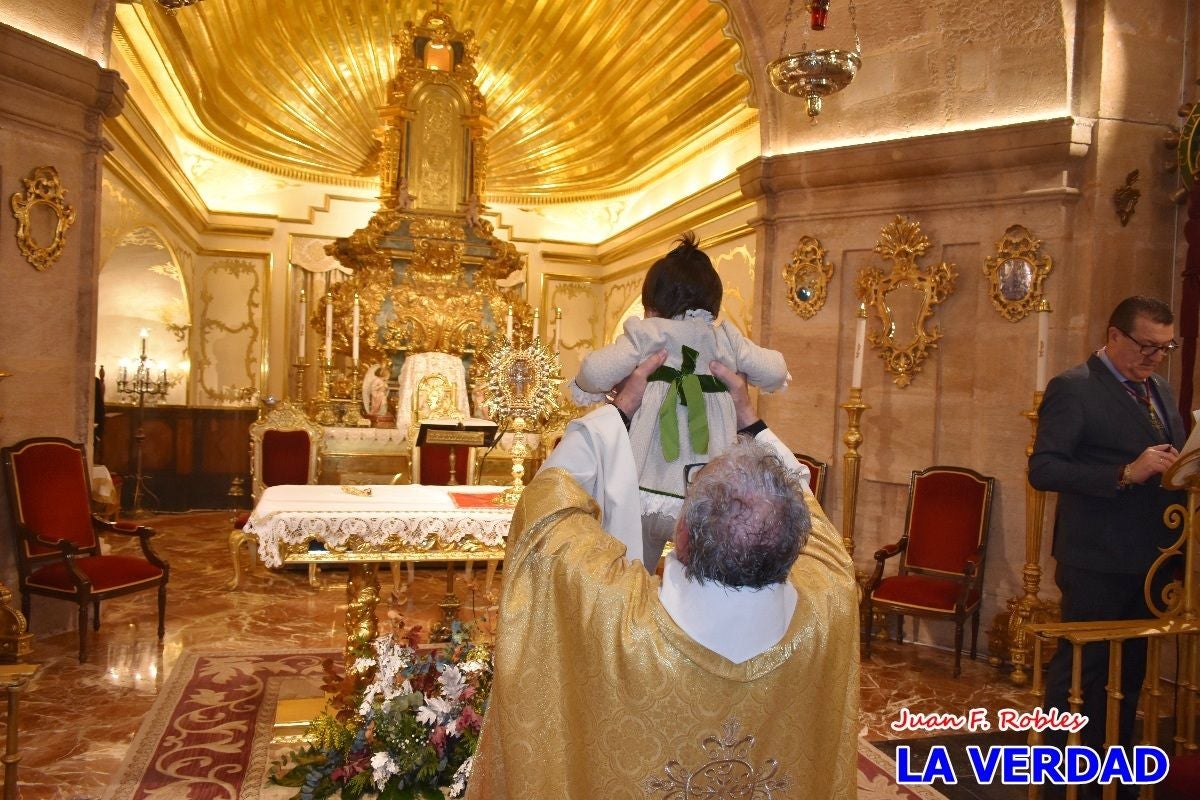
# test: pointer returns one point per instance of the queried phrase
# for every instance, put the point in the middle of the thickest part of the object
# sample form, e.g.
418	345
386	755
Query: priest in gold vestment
603	688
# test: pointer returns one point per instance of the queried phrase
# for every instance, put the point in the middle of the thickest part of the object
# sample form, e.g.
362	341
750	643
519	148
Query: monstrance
520	386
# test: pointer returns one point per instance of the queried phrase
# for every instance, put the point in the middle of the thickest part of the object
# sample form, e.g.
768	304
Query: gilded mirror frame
901	242
42	188
807	277
1015	274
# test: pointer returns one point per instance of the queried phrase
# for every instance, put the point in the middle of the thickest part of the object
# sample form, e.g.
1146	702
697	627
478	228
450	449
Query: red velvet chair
58	554
285	449
941	555
816	475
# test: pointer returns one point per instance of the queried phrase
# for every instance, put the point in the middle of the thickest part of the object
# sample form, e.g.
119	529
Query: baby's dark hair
683	279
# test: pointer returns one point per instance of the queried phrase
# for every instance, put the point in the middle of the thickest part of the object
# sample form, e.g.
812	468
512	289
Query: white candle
328	327
860	338
144	333
354	326
1043	335
557	329
508	330
535	323
303	339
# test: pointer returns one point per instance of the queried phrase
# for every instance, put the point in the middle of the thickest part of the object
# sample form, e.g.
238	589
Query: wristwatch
1126	477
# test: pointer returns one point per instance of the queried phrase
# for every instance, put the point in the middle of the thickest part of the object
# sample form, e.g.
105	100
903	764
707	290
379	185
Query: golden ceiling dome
589	100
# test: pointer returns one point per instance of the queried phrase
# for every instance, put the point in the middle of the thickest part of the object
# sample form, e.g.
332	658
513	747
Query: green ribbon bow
686	389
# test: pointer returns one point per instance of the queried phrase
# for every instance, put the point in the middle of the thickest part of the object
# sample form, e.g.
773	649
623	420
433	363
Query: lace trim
583	398
657	503
701	314
413	532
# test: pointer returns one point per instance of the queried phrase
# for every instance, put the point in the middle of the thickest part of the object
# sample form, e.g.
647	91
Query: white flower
471	667
433	711
452	682
363	664
459	784
383	767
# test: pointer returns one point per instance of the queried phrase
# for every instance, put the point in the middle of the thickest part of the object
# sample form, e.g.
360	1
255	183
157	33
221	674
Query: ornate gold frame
901	242
42	188
807	277
1016	272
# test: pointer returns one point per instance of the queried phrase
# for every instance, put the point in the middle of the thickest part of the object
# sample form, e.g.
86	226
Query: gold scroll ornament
1015	274
43	218
807	277
904	299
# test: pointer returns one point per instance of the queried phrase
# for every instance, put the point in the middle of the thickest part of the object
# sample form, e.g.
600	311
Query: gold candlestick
300	366
850	463
325	414
512	494
1010	630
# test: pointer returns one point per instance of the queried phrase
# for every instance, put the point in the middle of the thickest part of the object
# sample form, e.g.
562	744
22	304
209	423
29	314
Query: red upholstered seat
58	554
941	555
816	474
104	572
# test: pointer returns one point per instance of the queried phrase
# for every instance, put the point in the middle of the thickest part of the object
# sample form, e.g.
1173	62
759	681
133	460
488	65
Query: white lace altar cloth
392	519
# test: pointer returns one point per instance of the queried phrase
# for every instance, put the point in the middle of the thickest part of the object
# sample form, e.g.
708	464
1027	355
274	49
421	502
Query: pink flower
469	719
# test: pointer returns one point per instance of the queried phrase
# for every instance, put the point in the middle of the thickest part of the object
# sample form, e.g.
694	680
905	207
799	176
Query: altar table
364	525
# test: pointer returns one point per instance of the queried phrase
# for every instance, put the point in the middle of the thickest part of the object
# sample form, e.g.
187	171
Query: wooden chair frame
817	470
969	580
67	553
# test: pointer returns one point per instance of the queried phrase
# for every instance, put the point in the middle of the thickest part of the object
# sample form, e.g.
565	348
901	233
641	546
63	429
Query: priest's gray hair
745	518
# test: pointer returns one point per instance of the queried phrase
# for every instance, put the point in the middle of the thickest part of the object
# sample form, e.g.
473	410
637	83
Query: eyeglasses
691	473
1149	350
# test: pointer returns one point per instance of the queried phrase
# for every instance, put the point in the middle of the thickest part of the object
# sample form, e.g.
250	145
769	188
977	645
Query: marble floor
76	720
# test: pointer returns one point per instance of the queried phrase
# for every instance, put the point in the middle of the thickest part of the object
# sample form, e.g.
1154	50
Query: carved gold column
15	639
362	595
850	464
13	678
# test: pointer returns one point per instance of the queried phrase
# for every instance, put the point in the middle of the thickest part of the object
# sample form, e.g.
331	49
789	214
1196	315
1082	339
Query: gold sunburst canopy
588	99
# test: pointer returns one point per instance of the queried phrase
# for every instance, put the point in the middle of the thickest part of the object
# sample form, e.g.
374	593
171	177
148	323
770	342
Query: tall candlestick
508	329
144	333
557	329
303	338
1043	336
328	327
535	323
354	326
860	338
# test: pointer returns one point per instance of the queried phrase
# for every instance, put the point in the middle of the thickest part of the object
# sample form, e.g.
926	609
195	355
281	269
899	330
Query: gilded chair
58	552
816	475
942	555
285	448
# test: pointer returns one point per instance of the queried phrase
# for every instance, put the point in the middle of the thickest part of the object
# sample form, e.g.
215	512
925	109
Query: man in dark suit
1107	430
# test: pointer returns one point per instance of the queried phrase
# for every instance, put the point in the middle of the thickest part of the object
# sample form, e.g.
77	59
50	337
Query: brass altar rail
1077	634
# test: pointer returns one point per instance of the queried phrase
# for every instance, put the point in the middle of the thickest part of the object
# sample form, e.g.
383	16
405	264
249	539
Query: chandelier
813	74
172	6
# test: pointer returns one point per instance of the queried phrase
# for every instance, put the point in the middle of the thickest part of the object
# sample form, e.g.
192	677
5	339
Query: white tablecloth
404	517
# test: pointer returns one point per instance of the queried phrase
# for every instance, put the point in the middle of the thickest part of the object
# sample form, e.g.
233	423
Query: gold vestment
599	695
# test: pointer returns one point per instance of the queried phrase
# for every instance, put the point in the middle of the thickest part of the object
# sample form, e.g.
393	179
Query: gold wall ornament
1126	197
727	773
904	299
807	277
43	217
1016	272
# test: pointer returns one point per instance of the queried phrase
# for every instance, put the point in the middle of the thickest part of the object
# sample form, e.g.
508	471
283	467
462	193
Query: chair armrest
122	528
882	555
143	533
64	546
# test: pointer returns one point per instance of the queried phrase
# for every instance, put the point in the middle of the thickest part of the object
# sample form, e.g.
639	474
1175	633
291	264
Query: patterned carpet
209	734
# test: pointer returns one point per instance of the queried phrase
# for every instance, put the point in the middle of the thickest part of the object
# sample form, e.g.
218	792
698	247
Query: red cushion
945	526
285	458
53	498
241	519
922	592
105	572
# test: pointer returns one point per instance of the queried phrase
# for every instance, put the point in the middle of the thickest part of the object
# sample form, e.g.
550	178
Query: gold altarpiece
427	269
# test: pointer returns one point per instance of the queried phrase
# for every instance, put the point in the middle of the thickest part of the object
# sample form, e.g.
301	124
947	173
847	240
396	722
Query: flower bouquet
408	733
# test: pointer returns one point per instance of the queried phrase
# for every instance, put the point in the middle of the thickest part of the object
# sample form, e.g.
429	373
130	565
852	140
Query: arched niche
142	288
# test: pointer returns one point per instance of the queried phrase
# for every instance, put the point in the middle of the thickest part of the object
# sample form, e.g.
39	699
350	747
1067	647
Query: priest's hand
738	391
627	395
